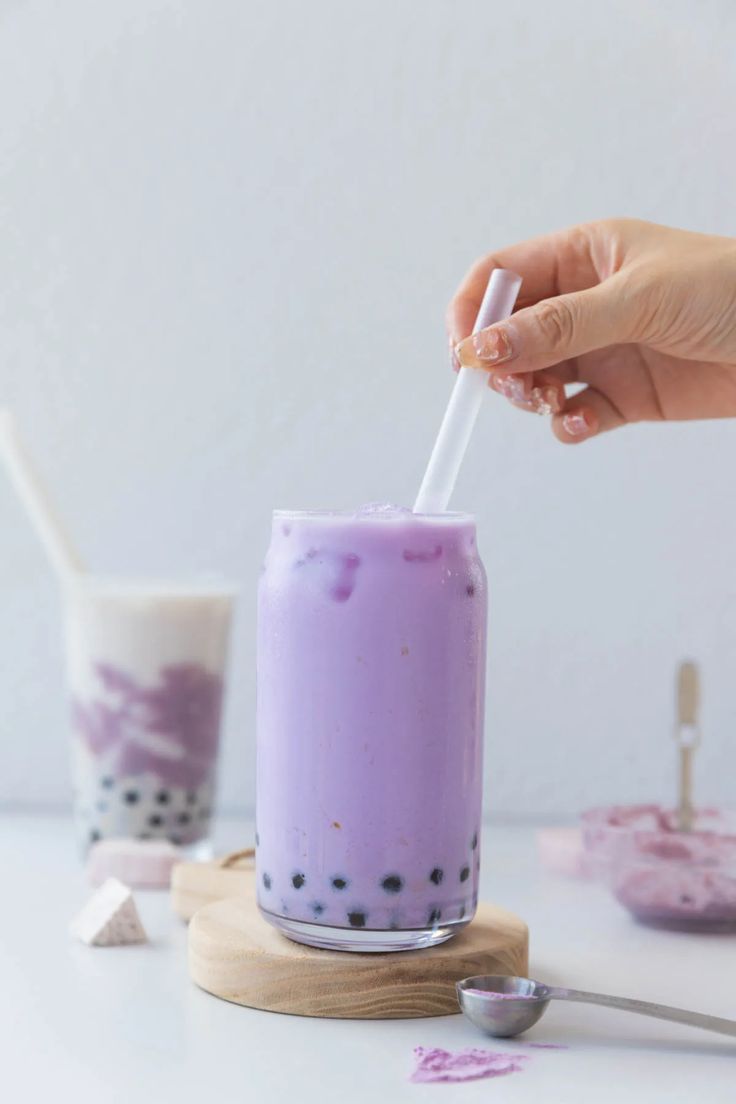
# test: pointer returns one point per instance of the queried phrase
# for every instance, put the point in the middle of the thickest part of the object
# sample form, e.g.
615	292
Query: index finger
549	265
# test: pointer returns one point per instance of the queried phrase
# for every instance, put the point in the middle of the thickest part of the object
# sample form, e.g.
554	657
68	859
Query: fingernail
539	400
486	347
454	362
553	397
511	387
577	424
545	400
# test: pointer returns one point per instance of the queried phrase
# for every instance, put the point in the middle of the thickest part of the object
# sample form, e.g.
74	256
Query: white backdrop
228	232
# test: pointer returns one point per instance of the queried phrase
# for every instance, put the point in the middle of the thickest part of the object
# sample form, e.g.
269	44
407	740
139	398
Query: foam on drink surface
382	509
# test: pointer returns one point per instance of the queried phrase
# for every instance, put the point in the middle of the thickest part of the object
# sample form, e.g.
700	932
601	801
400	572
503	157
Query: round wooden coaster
194	884
236	955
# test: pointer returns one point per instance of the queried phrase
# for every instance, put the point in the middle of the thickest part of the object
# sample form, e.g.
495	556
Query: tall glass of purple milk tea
371	667
146	669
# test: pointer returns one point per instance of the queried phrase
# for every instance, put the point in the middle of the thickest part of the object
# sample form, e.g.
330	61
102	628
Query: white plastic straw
465	401
61	552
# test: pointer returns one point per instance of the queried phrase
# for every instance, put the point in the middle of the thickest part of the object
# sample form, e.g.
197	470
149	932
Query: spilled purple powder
500	996
471	1064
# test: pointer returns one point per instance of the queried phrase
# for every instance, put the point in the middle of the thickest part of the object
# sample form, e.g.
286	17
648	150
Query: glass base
362	940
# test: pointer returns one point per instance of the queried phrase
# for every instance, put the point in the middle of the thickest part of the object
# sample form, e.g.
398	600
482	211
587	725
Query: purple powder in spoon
471	1064
500	996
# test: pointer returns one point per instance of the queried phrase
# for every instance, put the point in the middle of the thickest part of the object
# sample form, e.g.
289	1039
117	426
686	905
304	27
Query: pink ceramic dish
684	881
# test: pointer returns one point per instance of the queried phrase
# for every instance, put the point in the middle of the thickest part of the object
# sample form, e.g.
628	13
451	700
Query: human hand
643	315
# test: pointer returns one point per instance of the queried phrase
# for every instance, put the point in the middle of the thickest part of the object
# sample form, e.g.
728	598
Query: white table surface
126	1024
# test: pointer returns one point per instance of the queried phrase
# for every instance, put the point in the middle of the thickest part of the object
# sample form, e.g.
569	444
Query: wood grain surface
236	955
194	884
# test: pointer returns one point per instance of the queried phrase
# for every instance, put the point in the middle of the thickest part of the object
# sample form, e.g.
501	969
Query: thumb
554	330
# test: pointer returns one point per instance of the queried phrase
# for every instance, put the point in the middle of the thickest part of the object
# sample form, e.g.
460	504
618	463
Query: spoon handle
646	1008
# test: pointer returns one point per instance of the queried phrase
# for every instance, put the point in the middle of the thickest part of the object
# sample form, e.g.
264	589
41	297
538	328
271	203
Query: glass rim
356	515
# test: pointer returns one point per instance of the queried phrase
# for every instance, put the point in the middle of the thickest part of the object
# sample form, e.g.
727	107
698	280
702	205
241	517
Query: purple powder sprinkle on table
471	1064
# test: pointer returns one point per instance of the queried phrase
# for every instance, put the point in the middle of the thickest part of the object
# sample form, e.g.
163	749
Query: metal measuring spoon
506	1006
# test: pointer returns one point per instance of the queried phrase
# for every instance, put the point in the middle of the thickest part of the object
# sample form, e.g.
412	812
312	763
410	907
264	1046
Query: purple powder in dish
471	1064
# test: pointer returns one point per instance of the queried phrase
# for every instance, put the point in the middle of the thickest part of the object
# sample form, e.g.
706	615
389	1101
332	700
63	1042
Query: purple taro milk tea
371	666
146	668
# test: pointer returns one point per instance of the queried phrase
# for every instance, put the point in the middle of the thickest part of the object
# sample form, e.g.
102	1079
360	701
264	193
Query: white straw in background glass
64	557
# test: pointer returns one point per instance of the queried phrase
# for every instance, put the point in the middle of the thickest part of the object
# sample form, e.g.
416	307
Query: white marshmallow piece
110	918
142	864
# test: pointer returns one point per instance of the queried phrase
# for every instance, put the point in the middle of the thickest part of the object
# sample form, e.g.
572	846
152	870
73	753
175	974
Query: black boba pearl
163	797
465	874
357	919
474	841
393	883
470	590
318	908
95	836
155	820
131	796
437	875
434	916
107	782
298	880
191	798
176	840
184	818
339	883
267	881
